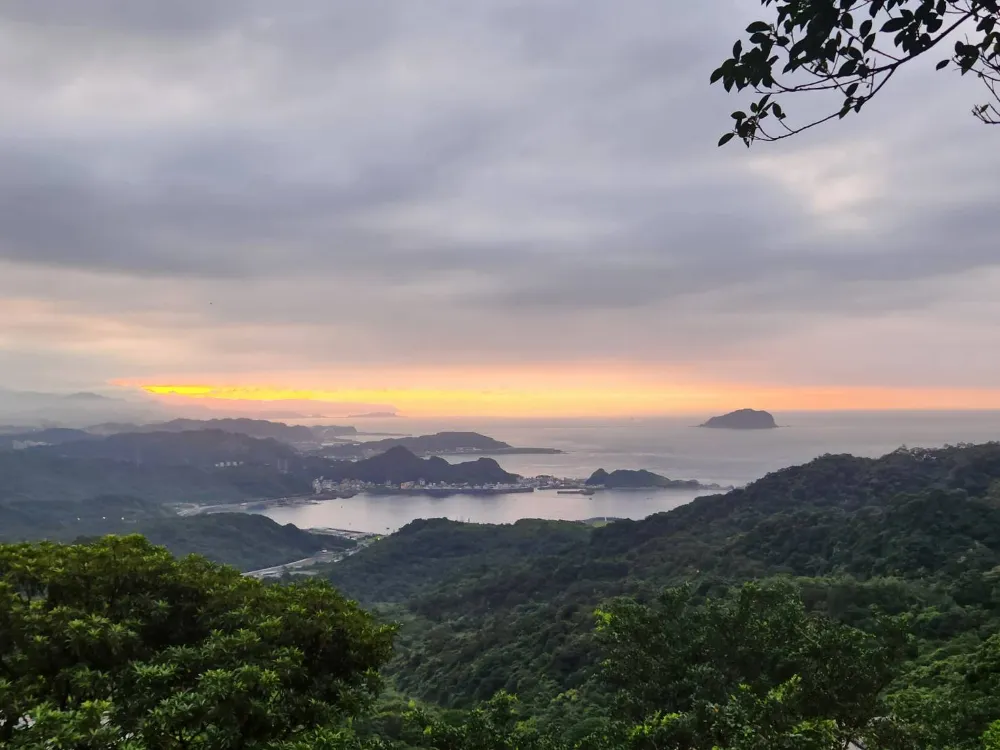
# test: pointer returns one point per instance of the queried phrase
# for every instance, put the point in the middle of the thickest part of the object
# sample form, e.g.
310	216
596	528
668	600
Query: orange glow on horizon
588	399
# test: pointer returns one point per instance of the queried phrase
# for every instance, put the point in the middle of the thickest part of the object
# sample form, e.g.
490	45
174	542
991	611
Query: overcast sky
325	194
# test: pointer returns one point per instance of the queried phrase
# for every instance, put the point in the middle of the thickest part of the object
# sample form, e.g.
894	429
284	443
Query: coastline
261	504
445	491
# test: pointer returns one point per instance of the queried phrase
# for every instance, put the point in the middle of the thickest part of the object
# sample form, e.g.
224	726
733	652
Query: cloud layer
242	189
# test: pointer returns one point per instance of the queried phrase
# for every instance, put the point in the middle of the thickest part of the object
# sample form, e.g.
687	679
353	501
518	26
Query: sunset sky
502	207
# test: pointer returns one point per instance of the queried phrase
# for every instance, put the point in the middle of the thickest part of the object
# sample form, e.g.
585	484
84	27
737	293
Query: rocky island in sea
640	479
742	419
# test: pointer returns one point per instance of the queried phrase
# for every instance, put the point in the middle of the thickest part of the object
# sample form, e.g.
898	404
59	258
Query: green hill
510	607
246	541
843	602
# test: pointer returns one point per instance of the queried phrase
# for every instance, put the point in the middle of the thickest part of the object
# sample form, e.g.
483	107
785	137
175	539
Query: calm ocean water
672	447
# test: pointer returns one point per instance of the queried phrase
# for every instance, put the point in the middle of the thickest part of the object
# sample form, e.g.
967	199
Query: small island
742	419
640	479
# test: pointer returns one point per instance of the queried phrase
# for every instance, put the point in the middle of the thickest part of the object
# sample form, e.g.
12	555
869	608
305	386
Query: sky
497	208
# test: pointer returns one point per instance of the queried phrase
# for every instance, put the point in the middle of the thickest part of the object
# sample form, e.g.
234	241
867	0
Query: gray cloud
392	182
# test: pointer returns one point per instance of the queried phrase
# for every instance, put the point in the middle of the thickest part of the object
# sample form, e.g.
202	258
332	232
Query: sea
674	447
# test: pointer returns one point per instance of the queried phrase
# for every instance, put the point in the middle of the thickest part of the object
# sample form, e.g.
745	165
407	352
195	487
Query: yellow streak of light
592	400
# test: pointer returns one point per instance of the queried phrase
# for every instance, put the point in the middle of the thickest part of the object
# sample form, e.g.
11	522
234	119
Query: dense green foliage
852	48
427	551
876	622
117	639
916	532
701	664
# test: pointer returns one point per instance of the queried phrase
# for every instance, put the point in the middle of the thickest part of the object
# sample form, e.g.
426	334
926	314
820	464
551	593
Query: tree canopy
118	642
750	669
850	49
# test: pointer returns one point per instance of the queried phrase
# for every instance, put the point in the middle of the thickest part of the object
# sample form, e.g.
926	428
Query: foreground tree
752	669
952	701
748	671
117	643
991	738
851	49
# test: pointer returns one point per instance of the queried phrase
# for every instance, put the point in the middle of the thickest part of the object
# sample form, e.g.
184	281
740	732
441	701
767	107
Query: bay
669	446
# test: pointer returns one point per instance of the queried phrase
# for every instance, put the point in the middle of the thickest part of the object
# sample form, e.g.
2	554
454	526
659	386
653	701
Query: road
276	571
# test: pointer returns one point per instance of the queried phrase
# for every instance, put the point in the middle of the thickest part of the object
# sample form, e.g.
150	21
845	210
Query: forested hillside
246	541
844	602
511	607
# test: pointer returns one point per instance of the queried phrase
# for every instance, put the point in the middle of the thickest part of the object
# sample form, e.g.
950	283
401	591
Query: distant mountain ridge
438	443
40	409
200	448
257	428
47	436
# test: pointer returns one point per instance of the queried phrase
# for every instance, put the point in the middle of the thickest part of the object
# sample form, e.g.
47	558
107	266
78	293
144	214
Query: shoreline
262	504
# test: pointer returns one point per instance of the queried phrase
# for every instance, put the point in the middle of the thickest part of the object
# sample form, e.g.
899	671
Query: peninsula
399	466
640	479
742	419
438	444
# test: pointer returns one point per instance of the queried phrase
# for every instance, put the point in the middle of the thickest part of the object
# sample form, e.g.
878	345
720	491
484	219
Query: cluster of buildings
20	445
323	486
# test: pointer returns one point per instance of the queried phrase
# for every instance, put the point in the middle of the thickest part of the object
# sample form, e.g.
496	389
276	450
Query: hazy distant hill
35	408
328	431
438	443
201	448
49	436
258	428
36	476
400	465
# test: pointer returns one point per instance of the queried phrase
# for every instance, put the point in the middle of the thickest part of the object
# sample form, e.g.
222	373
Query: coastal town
330	488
